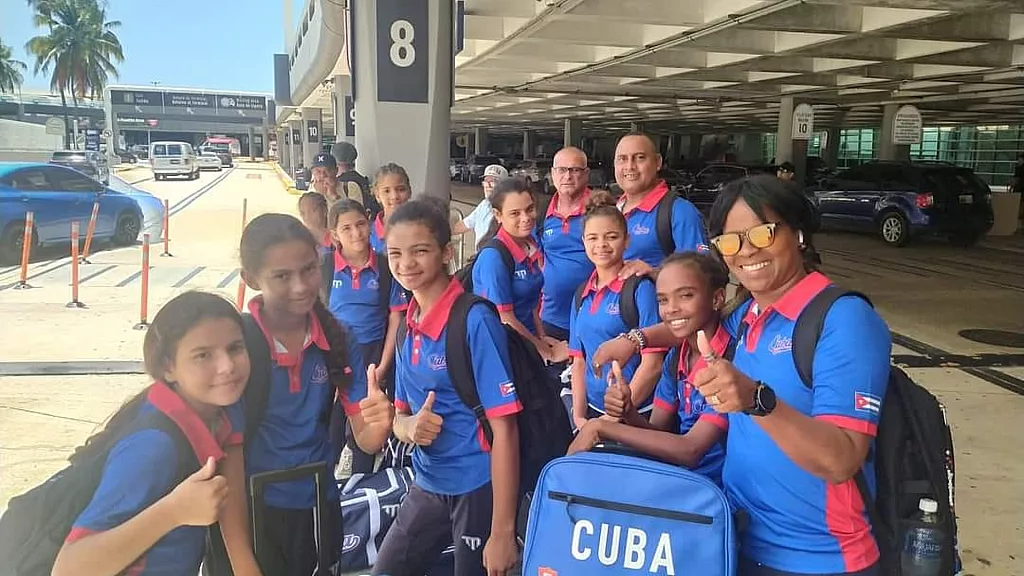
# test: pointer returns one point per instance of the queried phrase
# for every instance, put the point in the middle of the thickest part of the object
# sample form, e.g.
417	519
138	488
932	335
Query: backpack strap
628	310
327	275
506	256
577	299
460	361
257	390
809	326
384	281
663	224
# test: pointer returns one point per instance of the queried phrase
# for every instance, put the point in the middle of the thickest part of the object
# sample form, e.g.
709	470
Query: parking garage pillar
636	126
693	146
573	135
480	142
788	149
344	110
830	154
403	88
250	134
312	130
888	150
295	150
529	145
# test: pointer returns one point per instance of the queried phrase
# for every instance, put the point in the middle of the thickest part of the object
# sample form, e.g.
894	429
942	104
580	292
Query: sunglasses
762	236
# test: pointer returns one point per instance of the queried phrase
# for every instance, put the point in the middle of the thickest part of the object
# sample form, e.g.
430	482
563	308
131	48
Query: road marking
189	276
129	279
97	273
228	279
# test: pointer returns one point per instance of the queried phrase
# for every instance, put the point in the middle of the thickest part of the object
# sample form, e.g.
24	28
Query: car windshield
68	155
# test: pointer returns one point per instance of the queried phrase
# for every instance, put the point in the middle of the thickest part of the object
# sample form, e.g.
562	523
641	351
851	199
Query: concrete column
295	150
470	146
887	150
250	133
279	136
830	154
748	149
480	143
573	134
784	132
265	152
344	112
529	146
403	92
693	146
312	130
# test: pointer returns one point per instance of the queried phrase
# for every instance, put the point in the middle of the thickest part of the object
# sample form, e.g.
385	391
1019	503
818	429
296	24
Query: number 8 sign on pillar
403	65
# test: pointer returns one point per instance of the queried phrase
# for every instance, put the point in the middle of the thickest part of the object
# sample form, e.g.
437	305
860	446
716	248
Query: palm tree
80	50
10	70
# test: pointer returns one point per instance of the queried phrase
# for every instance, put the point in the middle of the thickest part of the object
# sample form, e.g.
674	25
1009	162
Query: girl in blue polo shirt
391	188
314	363
596	317
465	488
515	290
684	428
144	518
356	300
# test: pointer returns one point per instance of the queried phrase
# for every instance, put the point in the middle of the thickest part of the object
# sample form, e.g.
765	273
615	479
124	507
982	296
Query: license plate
966	199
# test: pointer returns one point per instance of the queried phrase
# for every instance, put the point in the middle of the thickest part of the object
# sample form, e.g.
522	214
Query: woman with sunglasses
792	450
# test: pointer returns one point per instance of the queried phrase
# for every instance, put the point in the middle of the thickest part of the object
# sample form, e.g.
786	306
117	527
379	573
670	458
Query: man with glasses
479	220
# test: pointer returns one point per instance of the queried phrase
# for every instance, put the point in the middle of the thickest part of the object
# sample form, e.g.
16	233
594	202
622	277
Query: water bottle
922	545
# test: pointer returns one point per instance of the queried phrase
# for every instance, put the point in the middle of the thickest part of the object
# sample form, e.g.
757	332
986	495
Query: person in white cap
479	220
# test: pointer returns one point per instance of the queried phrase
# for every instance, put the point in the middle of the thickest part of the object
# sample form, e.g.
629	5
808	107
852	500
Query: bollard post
144	312
167	228
75	302
26	252
240	299
90	231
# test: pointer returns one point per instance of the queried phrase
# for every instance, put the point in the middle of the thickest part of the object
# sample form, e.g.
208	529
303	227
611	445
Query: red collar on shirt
434	321
204	443
518	253
340	263
378	225
719	342
591	285
317	336
578	211
795	300
327	240
650	200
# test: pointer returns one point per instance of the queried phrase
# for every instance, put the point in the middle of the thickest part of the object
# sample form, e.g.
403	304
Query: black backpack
628	310
464	275
37	522
544	430
913	451
383	272
663	223
368	201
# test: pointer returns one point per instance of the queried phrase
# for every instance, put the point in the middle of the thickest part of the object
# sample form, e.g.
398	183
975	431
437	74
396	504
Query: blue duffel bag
610	511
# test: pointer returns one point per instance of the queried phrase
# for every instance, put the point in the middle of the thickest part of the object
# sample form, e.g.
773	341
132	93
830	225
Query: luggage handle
607	447
257	487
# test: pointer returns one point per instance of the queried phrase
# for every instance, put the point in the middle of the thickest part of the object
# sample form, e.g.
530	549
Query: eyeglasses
574	170
762	236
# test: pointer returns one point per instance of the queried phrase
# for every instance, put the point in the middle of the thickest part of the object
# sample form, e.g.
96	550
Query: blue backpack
609	512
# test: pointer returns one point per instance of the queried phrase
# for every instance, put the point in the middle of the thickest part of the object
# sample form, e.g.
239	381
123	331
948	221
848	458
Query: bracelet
638	336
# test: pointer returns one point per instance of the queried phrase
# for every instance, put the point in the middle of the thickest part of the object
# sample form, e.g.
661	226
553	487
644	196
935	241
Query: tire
10	243
157	177
894	229
127	230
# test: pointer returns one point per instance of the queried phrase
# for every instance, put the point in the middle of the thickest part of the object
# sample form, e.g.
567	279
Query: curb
289	183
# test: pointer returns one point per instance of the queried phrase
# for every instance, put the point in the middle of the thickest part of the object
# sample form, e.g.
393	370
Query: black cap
325	160
344	152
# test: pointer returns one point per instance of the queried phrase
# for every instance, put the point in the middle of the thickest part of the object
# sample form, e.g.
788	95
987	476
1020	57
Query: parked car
475	167
707	184
536	172
152	208
88	162
173	159
209	161
141	151
223	152
57	196
125	157
898	200
455	168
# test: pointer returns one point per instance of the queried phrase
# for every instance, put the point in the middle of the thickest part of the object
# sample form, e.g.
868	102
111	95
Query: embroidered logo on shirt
612	309
373	284
507	389
549	231
320	375
864	402
702	247
338	284
780	344
438	362
640	230
472	542
520	274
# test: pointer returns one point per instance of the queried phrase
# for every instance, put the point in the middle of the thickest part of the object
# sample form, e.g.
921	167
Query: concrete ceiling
699	66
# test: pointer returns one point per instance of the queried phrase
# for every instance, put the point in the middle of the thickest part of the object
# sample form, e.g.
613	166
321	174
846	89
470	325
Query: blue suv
899	200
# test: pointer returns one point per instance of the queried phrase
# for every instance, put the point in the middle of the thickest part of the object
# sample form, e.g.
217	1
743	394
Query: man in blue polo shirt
637	163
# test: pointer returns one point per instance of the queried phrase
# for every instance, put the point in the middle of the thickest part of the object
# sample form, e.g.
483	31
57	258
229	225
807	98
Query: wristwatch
764	400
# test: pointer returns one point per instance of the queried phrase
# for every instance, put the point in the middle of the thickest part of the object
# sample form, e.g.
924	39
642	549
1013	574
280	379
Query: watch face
766	398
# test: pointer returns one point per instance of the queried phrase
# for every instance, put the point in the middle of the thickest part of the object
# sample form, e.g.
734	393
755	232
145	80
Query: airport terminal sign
207	103
136	98
189	100
403	60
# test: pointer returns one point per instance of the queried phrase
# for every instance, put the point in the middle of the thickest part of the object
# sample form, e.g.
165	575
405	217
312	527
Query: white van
173	159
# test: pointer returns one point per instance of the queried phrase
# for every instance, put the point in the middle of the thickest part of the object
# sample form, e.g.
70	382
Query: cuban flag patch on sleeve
864	402
508	389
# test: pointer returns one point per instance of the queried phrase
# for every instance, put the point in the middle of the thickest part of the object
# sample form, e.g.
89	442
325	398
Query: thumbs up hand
376	409
197	501
427	424
618	399
724	387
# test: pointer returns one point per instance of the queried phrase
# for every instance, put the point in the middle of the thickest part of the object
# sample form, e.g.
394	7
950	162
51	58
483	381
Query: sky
209	44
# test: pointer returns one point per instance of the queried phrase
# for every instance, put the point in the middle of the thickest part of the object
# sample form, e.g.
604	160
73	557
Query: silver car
209	161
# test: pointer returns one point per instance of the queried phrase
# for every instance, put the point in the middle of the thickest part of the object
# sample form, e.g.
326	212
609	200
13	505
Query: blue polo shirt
458	461
800	522
599	320
675	394
140	470
294	429
566	265
518	292
355	298
377	230
687	227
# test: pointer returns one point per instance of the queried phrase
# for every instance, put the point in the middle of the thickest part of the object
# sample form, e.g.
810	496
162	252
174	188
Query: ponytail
338	344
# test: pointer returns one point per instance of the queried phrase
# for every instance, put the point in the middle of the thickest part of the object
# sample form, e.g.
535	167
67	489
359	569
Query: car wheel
127	230
11	243
893	229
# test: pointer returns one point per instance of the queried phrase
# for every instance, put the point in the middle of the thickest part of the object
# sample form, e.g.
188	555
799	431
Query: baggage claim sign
176	111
